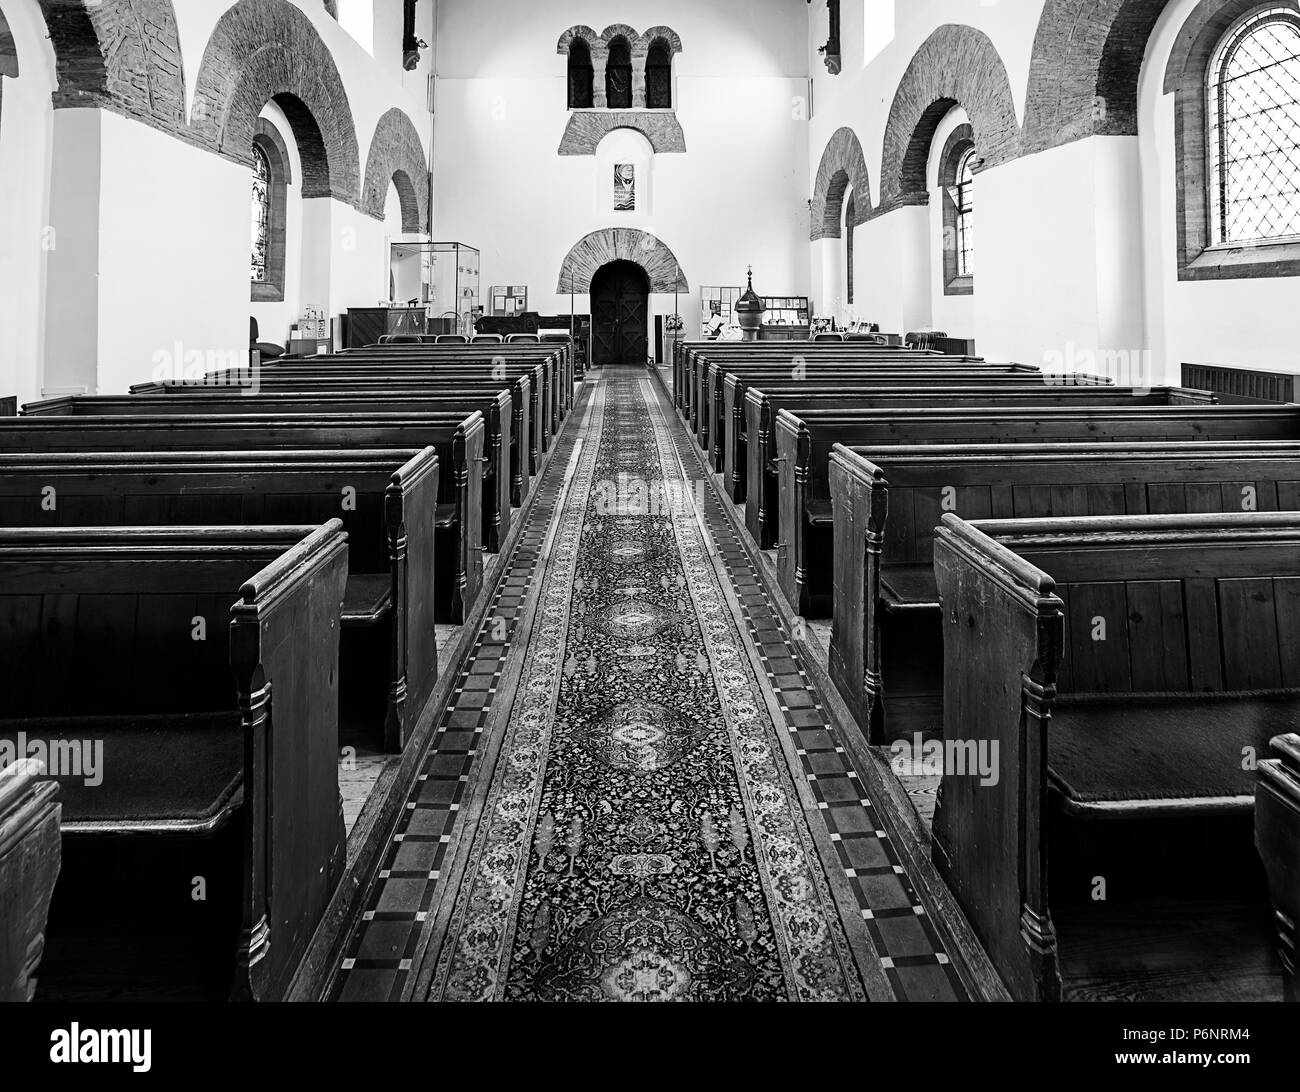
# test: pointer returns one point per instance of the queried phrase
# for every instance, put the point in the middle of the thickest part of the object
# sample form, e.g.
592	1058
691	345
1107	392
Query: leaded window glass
261	210
1254	112
963	199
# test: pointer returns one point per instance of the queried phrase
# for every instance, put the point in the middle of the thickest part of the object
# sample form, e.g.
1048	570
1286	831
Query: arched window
850	217
618	75
268	207
261	214
1254	116
962	198
659	76
957	185
582	76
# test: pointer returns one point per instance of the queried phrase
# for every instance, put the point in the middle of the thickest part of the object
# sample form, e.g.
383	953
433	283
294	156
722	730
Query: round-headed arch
955	66
397	157
267	50
620	244
843	167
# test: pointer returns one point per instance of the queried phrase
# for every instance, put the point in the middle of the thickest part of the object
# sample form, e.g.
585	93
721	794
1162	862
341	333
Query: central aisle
644	799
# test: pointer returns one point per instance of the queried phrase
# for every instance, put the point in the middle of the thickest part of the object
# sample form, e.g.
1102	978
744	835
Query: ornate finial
750	275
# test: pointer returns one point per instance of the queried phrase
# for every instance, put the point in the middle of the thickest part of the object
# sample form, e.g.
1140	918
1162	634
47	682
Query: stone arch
670	36
120	55
590	36
397	157
955	66
843	165
599	248
1083	76
586	129
267	50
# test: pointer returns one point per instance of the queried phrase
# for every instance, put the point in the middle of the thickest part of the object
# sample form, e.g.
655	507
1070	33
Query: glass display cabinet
442	279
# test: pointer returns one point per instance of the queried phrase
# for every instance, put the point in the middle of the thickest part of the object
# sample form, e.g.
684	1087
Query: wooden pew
804	442
1277	837
1198	669
495	409
208	749
386	500
525	445
29	865
761	406
845	375
885	635
458	440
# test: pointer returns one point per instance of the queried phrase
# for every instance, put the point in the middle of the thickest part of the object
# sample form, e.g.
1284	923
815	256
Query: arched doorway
620	314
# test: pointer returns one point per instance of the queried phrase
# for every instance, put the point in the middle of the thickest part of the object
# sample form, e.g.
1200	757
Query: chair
452	339
400	339
486	339
872	339
828	337
268	349
523	339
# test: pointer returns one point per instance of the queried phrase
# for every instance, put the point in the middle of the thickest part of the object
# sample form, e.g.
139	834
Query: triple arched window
620	69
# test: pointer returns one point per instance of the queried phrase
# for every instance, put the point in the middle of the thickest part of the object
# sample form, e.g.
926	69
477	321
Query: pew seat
1134	755
173	774
367	599
908	587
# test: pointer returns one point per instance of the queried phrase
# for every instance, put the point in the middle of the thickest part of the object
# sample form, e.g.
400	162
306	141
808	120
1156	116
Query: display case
786	318
442	279
507	300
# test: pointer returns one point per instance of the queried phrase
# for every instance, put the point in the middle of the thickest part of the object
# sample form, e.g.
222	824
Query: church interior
558	500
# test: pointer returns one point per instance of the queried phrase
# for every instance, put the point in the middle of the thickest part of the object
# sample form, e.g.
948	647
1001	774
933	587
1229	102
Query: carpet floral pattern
639	835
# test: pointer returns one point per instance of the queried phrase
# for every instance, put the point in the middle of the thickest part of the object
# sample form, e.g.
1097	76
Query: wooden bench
29	865
1277	837
524	445
386	500
495	408
215	728
457	439
804	442
885	636
1199	667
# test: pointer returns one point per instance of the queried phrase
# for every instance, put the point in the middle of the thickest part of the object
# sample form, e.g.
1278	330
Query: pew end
1277	838
29	867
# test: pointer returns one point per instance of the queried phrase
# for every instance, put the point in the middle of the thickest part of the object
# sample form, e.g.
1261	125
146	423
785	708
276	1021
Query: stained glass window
963	199
1254	112
261	210
850	218
618	75
581	75
659	77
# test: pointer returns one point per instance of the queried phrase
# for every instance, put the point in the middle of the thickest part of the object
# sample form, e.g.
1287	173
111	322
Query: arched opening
618	74
582	76
659	76
620	314
957	165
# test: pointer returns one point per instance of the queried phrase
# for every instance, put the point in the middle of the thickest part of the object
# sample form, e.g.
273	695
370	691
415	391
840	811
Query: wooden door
620	312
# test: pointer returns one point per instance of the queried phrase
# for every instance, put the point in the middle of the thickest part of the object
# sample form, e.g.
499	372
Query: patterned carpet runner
638	834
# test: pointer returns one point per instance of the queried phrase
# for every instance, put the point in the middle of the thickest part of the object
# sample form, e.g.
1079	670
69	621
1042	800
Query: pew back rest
1033	481
126	620
1182	604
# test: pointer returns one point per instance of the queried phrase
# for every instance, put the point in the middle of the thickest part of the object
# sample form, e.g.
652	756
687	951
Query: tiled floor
381	952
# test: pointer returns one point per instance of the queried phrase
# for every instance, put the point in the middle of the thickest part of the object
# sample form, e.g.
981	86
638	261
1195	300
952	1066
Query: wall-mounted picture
624	187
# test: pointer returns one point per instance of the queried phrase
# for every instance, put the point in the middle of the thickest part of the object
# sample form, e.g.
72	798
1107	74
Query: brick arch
1083	75
587	128
119	55
267	50
842	166
397	157
621	244
670	36
590	36
617	30
955	66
